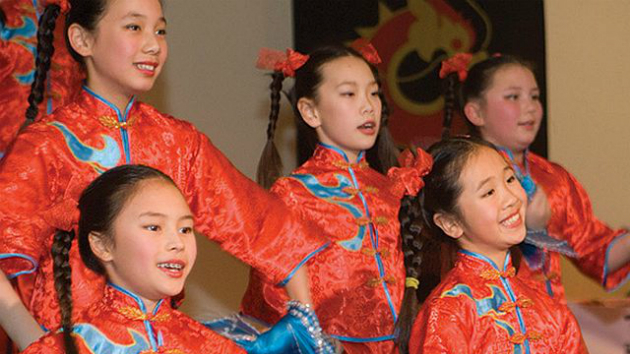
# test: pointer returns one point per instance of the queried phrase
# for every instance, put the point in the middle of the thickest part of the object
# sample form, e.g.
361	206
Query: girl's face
153	248
491	206
347	111
127	50
510	112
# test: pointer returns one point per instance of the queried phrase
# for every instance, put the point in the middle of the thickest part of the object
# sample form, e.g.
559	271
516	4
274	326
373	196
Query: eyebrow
354	83
160	215
486	180
138	15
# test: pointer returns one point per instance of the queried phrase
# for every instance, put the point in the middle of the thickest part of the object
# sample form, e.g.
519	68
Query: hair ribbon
367	50
407	179
458	63
276	60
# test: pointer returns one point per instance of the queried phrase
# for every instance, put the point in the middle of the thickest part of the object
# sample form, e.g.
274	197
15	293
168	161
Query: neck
119	100
496	256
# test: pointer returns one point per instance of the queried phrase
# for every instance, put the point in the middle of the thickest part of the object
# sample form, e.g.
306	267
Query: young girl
122	45
357	283
473	201
136	229
19	55
501	101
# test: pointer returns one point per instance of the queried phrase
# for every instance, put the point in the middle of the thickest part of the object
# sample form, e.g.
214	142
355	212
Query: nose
174	241
370	104
152	44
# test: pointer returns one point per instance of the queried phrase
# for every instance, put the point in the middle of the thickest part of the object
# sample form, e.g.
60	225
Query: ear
100	247
449	224
473	112
309	113
80	39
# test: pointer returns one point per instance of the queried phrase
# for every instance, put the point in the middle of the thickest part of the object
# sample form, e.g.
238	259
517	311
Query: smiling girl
136	229
122	44
358	281
501	101
472	201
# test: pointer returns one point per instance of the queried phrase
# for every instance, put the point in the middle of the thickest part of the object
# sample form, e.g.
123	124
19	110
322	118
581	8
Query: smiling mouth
512	221
148	68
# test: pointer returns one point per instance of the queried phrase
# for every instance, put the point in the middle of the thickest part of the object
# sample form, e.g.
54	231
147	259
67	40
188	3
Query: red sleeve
27	181
48	344
244	219
440	328
588	236
571	333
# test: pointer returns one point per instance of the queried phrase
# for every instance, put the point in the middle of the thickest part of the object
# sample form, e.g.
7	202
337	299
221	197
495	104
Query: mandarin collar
121	298
100	106
480	262
328	154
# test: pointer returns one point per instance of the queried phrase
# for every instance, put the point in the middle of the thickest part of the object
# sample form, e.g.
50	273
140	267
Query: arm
441	327
14	318
247	221
619	253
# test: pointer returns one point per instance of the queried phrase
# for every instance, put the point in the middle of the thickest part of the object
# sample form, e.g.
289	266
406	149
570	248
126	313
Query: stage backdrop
414	36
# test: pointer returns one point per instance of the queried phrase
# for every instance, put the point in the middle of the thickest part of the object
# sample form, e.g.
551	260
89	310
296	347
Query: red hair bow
63	4
407	179
276	60
367	50
456	64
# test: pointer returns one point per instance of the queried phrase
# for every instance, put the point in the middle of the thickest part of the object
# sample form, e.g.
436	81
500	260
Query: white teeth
367	125
145	67
511	220
170	266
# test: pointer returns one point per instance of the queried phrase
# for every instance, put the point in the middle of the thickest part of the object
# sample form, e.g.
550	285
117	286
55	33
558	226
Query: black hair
428	252
99	205
86	13
308	78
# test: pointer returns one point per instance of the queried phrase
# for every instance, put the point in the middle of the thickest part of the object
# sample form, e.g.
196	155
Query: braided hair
99	205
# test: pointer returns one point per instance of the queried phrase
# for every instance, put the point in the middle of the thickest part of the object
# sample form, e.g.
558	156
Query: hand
538	211
297	332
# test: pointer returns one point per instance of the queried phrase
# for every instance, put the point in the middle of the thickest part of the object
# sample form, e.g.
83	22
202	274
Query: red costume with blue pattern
18	48
572	220
357	283
53	160
478	308
119	323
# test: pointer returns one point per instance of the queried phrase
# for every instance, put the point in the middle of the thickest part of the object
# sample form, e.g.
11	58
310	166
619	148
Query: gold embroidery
112	122
136	314
510	306
345	165
493	274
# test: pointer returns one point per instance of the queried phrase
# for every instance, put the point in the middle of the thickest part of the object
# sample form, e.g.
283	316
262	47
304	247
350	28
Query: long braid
409	215
45	51
449	104
270	164
63	284
384	155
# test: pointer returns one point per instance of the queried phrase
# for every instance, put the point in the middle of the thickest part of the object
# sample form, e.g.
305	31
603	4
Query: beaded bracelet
306	315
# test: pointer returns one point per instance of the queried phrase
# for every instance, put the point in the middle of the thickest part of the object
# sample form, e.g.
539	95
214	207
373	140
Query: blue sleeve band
23	256
286	280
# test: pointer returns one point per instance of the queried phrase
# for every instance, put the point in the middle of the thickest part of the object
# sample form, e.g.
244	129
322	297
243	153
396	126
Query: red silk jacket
119	323
572	220
357	283
18	48
479	309
52	161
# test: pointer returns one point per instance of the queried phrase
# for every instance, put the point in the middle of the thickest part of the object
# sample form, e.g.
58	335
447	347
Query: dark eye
133	27
511	179
512	97
536	97
152	228
186	230
161	32
347	94
488	193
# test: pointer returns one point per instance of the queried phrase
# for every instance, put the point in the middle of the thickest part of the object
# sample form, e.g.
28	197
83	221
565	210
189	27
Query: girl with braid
349	189
501	103
19	57
136	229
122	46
473	204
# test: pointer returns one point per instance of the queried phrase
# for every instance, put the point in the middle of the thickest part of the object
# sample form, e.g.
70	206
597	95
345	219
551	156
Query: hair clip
367	50
276	60
458	63
63	4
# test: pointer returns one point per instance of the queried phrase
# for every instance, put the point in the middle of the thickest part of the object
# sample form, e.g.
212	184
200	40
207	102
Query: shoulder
50	343
166	120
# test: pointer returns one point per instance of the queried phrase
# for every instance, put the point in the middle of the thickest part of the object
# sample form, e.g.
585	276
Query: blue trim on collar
143	308
486	259
342	153
111	105
23	256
